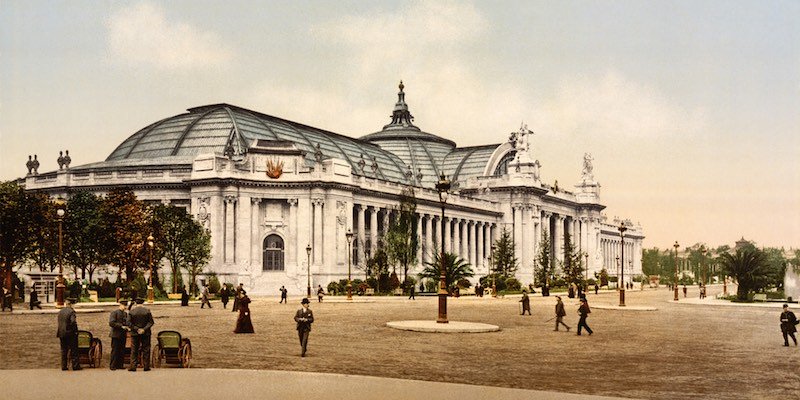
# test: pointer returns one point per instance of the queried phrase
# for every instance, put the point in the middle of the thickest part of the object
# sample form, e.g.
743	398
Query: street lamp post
349	236
676	270
622	228
60	285
150	295
308	270
443	187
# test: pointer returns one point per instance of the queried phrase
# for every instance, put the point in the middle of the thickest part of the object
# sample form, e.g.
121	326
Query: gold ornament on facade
274	168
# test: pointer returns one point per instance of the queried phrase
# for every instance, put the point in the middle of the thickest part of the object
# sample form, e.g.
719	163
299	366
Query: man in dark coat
34	297
184	296
411	290
788	322
68	334
118	321
304	318
584	311
560	313
224	295
526	302
284	297
140	321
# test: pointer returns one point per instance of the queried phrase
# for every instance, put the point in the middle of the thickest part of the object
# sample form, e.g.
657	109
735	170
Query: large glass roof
206	129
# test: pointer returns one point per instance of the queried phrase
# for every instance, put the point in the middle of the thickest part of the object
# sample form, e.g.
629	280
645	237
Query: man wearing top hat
304	318
140	321
118	320
68	334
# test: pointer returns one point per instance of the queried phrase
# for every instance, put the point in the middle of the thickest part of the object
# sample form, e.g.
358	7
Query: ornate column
361	228
517	231
230	229
420	239
429	250
559	237
447	238
292	242
487	242
373	231
317	245
480	259
436	237
465	239
253	243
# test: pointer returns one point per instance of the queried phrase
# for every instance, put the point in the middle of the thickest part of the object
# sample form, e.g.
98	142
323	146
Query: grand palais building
268	188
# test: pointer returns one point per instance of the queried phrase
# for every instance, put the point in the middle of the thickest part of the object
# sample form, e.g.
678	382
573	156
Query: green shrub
333	288
213	283
464	283
486	282
394	281
431	285
513	284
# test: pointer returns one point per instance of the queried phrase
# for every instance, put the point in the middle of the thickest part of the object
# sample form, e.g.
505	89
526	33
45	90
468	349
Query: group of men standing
138	321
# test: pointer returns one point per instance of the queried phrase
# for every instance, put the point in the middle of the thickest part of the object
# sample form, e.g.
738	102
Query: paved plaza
692	349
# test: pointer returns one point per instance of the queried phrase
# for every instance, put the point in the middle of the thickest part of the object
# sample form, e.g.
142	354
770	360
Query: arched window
502	166
273	253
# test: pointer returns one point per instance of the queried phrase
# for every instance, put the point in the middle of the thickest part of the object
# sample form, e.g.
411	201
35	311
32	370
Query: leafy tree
197	257
571	266
543	260
504	257
126	224
174	230
401	238
747	266
455	268
378	267
16	227
44	222
84	233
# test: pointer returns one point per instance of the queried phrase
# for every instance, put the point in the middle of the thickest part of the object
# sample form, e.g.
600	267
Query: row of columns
467	238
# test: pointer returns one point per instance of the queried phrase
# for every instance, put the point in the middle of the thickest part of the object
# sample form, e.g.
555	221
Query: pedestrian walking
788	322
411	290
140	321
560	313
684	290
284	297
320	293
526	303
205	294
304	318
68	334
224	294
584	311
596	288
479	289
184	297
243	323
118	321
239	290
34	297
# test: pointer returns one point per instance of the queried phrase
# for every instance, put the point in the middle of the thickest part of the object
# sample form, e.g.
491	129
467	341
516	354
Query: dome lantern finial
401	86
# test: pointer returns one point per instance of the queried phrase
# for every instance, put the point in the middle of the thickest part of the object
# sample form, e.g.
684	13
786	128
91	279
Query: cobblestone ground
678	351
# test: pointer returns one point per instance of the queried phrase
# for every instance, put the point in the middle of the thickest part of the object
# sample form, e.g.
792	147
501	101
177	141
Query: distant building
267	188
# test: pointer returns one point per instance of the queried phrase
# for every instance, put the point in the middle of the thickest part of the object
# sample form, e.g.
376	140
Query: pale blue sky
691	109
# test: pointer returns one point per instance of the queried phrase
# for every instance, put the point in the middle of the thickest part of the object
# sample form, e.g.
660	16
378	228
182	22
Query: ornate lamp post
676	245
150	295
703	265
586	257
622	228
443	187
349	236
308	270
60	211
491	266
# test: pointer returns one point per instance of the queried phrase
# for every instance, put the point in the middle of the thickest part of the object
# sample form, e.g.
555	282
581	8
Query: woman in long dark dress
243	323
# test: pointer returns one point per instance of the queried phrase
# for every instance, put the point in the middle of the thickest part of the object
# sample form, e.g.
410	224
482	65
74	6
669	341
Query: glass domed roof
207	129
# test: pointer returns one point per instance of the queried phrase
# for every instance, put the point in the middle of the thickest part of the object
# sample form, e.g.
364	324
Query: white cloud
611	105
142	34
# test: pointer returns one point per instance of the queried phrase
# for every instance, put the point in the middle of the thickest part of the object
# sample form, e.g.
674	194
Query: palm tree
747	266
455	268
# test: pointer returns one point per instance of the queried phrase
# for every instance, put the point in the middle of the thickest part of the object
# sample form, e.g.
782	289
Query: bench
93	296
760	297
369	291
398	292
